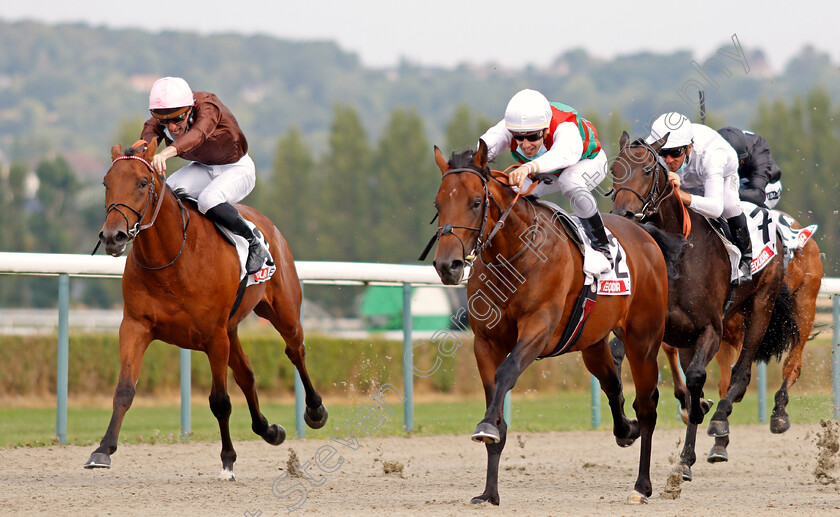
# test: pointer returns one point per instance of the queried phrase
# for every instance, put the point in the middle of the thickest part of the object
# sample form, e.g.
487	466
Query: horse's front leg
499	376
134	339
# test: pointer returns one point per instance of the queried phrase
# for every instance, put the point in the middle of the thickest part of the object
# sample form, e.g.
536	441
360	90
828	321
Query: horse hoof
315	418
706	405
98	460
486	433
684	471
718	428
274	435
484	498
717	454
227	475
684	415
637	498
625	442
779	424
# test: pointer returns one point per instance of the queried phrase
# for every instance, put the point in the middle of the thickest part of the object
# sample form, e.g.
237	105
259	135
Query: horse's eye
648	170
143	183
476	204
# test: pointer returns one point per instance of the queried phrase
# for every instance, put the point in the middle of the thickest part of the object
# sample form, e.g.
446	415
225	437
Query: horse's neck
520	227
162	241
670	214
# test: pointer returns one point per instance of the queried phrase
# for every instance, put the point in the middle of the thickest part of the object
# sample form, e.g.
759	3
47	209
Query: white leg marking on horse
637	498
227	475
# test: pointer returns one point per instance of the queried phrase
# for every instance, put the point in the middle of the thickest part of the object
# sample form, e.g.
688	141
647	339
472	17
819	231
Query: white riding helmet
676	126
170	92
527	111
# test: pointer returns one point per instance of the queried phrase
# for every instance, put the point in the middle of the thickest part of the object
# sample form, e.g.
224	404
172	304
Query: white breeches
215	184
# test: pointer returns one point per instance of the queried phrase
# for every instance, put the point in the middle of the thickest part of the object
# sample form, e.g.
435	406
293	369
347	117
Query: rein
656	197
151	199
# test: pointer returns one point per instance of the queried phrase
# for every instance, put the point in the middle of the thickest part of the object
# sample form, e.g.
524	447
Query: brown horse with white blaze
479	211
180	285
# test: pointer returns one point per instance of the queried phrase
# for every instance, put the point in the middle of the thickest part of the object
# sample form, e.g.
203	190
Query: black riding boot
594	228
741	238
226	215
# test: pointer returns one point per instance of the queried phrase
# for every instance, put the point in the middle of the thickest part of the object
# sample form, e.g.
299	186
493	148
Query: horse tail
673	247
782	331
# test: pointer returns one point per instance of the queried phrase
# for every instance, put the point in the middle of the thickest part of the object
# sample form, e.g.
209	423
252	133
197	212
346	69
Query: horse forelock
464	160
129	151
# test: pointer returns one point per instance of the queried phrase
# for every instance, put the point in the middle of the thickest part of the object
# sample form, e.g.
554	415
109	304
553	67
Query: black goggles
676	152
531	137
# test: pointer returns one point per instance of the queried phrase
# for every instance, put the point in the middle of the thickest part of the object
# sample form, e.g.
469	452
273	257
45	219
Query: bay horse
803	276
521	239
701	298
179	286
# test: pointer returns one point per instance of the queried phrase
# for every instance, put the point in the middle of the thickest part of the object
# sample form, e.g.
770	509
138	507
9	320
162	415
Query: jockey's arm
710	203
497	139
565	151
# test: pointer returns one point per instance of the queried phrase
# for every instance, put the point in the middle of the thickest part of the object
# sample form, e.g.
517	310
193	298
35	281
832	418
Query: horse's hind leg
600	362
218	353
243	374
285	317
805	307
134	339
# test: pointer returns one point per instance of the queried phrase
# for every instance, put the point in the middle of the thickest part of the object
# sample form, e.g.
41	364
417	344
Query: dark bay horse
179	286
699	296
803	277
522	289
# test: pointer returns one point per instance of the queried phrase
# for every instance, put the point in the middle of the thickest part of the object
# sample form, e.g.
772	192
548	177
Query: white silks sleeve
710	203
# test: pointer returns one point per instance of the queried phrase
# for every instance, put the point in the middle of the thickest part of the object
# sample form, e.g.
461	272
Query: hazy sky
449	32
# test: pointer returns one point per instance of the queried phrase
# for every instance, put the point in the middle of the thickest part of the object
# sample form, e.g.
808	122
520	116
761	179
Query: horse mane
464	160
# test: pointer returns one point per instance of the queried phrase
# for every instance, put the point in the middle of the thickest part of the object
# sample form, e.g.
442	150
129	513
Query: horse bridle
655	197
151	199
481	243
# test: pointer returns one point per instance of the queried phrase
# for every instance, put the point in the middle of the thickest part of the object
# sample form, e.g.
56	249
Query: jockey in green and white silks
552	138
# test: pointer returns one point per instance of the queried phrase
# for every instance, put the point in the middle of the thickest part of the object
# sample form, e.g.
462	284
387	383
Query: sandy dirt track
568	473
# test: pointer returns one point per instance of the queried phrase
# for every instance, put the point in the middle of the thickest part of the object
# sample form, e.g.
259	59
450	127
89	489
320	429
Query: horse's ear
622	143
150	150
116	151
441	162
480	158
656	146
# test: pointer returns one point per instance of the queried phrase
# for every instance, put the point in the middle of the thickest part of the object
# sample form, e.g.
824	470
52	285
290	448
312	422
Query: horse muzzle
450	271
114	241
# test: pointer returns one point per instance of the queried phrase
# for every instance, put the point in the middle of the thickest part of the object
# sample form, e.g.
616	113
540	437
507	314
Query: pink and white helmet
170	92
